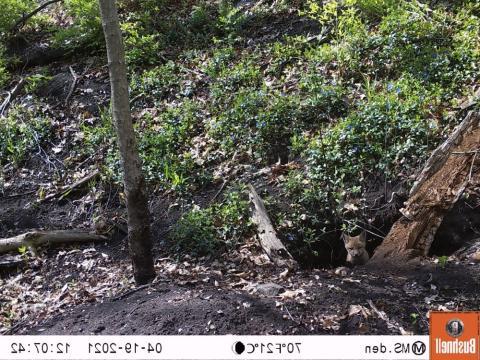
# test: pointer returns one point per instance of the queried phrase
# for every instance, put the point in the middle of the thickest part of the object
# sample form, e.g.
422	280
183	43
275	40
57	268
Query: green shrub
163	143
219	61
86	30
141	47
387	135
20	132
235	124
35	81
157	83
213	229
4	75
13	10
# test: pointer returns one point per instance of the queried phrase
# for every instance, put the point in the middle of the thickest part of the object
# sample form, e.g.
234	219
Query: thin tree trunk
139	237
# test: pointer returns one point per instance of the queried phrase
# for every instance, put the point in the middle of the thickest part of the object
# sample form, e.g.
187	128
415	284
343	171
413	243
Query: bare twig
471	167
76	81
35	239
11	96
220	190
138	288
65	190
384	317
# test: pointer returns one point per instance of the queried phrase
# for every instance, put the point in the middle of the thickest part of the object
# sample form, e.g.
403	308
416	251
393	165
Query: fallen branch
269	241
138	288
11	263
11	96
384	317
25	17
67	189
35	239
76	81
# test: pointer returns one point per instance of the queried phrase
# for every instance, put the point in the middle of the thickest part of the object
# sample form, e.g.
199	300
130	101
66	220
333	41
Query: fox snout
356	253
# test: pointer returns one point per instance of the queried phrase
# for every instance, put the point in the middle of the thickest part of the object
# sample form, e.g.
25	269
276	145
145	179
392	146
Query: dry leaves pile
52	284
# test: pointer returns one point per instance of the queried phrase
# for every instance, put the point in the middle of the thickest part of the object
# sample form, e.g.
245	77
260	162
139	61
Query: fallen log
34	239
267	235
443	180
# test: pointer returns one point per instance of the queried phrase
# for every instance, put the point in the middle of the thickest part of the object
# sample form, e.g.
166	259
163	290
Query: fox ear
343	237
363	236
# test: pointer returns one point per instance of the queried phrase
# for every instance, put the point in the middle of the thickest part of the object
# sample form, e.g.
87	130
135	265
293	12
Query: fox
355	246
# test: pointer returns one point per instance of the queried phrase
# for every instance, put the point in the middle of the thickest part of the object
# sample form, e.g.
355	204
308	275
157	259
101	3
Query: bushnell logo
454	335
454	327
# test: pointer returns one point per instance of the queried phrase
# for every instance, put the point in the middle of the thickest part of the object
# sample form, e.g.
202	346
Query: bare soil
310	302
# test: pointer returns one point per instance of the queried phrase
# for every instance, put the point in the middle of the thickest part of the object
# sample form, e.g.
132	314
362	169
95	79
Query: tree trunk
443	180
139	236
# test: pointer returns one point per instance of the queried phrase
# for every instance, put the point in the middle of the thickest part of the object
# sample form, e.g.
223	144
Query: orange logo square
454	335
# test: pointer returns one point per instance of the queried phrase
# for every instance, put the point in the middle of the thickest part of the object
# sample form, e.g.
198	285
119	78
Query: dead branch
67	189
11	96
76	81
25	17
35	239
384	317
267	235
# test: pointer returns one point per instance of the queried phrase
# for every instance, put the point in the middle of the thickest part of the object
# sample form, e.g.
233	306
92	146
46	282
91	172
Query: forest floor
233	296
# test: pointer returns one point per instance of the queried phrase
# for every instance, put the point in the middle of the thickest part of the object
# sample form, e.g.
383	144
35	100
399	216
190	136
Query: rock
342	271
268	289
99	329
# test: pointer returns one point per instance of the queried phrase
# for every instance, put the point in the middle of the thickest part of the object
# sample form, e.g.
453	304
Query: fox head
355	245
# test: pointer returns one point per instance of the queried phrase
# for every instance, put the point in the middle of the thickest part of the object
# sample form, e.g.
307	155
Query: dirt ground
365	301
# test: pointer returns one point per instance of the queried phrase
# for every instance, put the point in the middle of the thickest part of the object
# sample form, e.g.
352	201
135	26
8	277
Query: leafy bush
156	83
35	81
141	47
388	135
86	29
219	61
20	132
12	10
4	75
213	229
163	144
